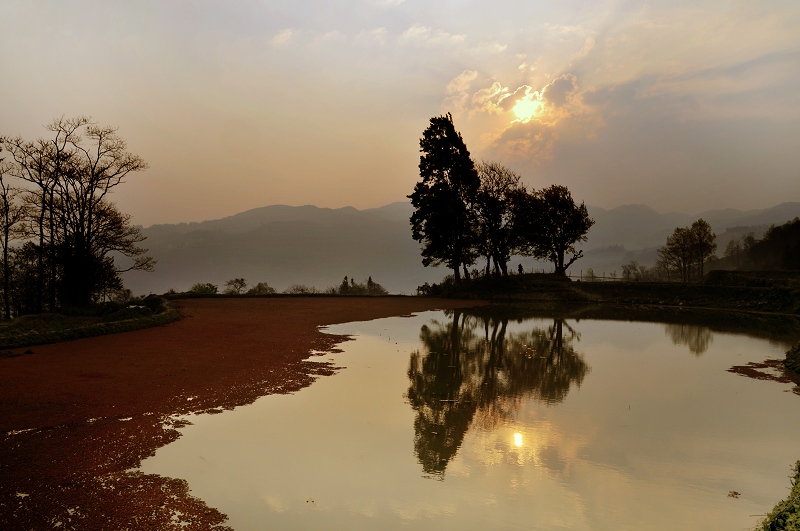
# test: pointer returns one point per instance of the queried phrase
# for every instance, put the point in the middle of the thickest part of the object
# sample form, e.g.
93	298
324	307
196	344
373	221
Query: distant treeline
691	250
238	286
778	249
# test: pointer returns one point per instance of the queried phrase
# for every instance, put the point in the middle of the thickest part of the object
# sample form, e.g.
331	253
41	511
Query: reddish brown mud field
76	417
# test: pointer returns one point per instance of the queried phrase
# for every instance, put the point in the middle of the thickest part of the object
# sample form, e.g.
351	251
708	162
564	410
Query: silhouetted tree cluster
687	250
633	271
351	287
737	251
464	211
778	249
497	236
549	224
70	234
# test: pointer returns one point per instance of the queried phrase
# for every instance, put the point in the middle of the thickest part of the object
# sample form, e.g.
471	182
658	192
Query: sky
681	105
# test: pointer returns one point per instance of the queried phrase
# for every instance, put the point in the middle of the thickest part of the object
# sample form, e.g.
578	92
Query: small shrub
300	289
792	360
155	303
204	289
235	286
262	288
424	289
131	312
121	296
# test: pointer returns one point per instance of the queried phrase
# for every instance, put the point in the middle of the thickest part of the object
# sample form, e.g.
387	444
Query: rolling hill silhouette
285	245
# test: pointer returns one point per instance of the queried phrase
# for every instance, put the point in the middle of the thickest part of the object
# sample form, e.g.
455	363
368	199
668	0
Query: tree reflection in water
697	338
461	376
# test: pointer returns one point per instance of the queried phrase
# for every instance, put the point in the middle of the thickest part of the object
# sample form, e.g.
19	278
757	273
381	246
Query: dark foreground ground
77	416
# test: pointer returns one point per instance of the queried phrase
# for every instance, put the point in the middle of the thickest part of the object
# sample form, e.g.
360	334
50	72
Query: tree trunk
6	282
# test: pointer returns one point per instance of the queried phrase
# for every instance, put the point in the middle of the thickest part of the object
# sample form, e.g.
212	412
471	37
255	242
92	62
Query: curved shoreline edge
77	417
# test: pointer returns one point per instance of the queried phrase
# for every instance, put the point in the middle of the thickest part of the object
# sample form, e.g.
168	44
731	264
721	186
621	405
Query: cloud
491	48
372	36
560	92
524	123
588	46
488	99
457	91
329	38
283	37
563	30
427	36
523	141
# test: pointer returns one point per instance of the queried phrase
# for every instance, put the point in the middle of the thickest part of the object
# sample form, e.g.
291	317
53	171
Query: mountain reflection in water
470	369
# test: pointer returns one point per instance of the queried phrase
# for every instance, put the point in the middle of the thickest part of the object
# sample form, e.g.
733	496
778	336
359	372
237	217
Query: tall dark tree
549	224
703	243
444	220
496	223
677	254
12	214
38	163
687	249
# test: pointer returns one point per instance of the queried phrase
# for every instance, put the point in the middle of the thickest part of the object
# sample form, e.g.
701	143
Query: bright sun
526	109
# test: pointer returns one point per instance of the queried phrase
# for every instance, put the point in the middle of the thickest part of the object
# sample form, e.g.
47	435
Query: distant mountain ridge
285	245
639	226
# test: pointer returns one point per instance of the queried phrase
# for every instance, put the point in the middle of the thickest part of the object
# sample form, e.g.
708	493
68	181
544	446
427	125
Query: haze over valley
284	245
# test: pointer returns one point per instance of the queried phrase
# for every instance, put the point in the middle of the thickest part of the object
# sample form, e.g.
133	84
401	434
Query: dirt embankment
75	417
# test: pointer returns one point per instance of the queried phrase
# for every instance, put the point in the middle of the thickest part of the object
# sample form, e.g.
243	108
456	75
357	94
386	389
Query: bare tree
688	248
495	215
70	177
630	271
235	286
737	249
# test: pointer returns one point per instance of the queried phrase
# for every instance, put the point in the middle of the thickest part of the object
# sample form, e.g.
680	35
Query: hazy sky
682	105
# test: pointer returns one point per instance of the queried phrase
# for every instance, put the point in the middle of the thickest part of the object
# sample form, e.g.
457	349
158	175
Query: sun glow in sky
676	104
526	109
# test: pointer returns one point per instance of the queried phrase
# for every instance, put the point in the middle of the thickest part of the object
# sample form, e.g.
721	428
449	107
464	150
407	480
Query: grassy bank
30	330
775	292
785	516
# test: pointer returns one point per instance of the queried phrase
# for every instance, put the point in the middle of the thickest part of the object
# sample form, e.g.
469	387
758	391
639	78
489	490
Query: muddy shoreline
75	417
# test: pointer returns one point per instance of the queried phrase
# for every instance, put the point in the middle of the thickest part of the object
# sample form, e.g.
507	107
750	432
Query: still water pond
454	421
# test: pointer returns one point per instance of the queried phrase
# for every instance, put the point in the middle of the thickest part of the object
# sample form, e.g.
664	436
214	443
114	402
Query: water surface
450	420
